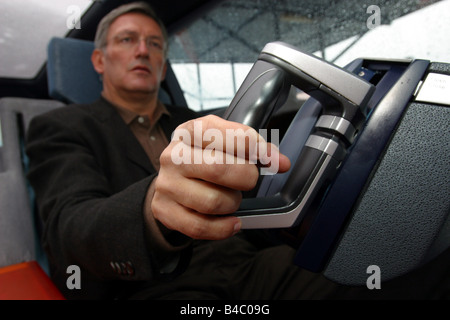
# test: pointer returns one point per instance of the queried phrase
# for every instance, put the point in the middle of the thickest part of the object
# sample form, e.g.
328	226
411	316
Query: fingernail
237	227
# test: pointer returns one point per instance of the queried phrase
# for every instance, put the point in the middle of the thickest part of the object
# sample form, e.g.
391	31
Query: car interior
380	197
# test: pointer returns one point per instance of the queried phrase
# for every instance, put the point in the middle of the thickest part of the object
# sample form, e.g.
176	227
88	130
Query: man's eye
126	39
155	44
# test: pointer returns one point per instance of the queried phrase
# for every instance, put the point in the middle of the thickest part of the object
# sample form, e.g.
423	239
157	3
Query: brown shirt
148	131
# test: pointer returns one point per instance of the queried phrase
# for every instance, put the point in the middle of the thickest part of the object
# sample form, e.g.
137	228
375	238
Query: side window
213	54
208	85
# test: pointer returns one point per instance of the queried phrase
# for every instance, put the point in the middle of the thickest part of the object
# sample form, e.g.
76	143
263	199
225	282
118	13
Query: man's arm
86	222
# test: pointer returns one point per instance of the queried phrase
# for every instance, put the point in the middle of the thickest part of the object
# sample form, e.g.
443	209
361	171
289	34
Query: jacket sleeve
86	223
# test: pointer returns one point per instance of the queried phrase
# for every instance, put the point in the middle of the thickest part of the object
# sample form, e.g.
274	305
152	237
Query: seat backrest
18	235
73	79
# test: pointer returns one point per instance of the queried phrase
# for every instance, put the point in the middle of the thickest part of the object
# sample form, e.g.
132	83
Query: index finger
243	142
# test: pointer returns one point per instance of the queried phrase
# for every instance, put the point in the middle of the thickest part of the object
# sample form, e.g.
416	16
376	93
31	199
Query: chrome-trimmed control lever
343	97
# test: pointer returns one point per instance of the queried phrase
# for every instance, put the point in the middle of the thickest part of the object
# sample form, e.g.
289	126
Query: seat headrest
71	76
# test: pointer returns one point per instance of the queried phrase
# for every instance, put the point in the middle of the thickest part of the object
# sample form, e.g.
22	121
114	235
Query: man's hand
203	171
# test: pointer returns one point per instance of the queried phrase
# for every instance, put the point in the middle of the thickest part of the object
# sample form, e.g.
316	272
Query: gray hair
139	7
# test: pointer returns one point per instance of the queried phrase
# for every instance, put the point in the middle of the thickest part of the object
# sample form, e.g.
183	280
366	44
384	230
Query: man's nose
142	48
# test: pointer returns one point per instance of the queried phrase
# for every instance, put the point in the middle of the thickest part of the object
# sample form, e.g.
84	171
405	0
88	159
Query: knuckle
166	153
217	172
161	185
211	122
197	230
210	118
188	125
165	157
212	202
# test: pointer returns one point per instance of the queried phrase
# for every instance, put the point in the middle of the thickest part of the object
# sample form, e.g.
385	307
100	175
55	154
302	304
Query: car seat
19	238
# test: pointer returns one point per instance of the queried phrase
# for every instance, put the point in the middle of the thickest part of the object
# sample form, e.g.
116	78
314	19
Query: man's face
133	60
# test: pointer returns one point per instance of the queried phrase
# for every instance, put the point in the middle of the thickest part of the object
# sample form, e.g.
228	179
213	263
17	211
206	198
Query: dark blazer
90	177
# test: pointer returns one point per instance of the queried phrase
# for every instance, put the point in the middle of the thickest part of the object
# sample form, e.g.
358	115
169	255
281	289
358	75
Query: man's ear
97	59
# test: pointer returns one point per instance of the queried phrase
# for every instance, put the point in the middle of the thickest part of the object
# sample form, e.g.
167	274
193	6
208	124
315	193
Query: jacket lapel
114	125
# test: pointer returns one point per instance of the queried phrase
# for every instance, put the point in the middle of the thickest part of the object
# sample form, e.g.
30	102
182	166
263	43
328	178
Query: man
94	171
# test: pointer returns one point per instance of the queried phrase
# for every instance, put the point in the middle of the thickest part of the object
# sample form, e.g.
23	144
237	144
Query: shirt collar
129	116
